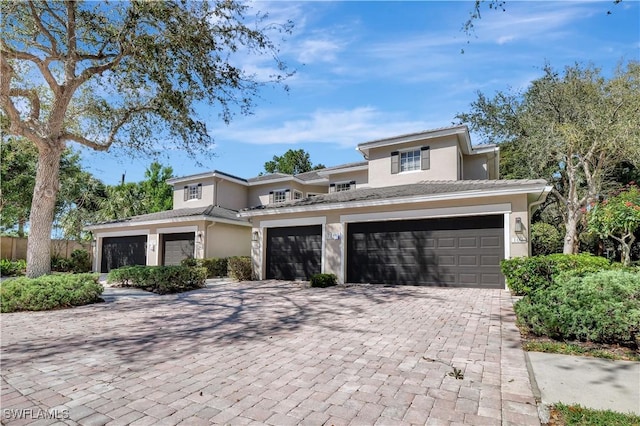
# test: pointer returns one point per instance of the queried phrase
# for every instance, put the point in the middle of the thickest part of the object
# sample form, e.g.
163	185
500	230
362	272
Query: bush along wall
159	279
527	274
602	307
323	280
216	267
49	292
240	268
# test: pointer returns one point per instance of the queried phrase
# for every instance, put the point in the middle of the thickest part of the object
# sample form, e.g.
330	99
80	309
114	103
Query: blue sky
366	70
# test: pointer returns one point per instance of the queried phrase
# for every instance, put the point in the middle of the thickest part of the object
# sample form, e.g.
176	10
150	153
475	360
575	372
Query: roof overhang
540	190
343	170
173	220
213	174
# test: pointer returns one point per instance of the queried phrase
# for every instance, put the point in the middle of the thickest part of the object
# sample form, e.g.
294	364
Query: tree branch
42	66
70	63
86	142
33	98
38	20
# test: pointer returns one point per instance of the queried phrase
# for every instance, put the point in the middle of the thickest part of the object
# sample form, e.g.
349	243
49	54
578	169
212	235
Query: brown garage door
452	252
123	251
176	247
294	253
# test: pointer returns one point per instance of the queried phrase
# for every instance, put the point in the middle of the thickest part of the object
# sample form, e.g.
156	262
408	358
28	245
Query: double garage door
132	250
452	252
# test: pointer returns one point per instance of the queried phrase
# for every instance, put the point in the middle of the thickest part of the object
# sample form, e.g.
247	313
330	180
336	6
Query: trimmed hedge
49	292
602	307
240	268
527	274
323	280
216	267
79	262
11	268
159	279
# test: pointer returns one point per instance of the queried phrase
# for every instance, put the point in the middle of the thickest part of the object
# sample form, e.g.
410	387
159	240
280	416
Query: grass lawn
576	415
614	352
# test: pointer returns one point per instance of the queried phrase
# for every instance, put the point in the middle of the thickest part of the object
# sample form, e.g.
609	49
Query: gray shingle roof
415	189
268	177
213	212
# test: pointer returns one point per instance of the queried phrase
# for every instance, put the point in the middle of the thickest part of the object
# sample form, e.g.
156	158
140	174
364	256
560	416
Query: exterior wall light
254	236
519	228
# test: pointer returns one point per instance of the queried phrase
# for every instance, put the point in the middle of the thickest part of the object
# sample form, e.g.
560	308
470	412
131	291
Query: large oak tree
117	73
573	127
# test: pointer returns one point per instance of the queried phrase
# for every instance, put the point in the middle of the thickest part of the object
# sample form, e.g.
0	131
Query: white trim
123	233
389	201
215	174
507	241
177	229
281	223
166	221
477	210
323	172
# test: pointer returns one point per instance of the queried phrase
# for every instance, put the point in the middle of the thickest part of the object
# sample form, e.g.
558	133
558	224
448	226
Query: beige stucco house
424	208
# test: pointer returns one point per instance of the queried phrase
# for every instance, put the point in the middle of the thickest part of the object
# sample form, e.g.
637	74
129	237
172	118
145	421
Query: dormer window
279	196
193	192
342	186
410	160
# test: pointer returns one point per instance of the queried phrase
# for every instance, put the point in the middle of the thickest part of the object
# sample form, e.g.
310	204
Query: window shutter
425	158
287	194
352	185
332	187
186	193
395	162
199	191
270	197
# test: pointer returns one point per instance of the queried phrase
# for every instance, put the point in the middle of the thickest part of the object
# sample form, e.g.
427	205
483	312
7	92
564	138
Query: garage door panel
439	252
177	247
295	252
123	251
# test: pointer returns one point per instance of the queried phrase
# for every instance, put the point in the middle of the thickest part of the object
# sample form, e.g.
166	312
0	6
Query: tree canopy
122	73
291	162
573	128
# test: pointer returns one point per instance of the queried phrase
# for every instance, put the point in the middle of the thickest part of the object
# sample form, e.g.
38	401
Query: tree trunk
43	207
21	223
571	233
626	249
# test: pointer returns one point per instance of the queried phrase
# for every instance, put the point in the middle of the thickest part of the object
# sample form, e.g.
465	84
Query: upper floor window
193	192
410	160
297	195
342	186
279	196
414	159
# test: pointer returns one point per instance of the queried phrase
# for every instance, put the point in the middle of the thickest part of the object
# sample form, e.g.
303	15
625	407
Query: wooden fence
16	248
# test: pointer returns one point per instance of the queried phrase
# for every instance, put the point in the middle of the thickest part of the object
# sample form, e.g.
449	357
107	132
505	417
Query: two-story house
424	208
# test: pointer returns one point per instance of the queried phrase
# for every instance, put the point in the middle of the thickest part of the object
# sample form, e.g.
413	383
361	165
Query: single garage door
452	252
177	247
294	253
123	251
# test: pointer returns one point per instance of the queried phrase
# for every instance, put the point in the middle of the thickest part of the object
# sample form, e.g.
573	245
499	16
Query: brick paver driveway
272	353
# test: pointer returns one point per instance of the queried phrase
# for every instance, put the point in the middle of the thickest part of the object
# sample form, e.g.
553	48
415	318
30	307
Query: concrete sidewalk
591	382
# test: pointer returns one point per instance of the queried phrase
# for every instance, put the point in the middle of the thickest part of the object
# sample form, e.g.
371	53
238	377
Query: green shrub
240	268
60	264
323	280
189	262
80	261
216	267
11	268
49	292
526	274
603	307
545	239
159	279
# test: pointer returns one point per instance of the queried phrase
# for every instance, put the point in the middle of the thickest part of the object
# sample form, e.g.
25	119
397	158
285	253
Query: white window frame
193	192
276	196
416	161
343	186
297	195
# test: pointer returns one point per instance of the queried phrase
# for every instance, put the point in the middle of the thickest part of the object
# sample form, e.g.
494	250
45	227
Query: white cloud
340	127
311	51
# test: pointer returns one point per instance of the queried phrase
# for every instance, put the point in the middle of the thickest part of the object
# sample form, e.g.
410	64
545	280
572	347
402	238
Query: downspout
540	200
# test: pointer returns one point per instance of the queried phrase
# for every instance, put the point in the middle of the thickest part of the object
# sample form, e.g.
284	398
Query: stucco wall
207	194
259	194
444	163
231	195
224	240
475	167
361	177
